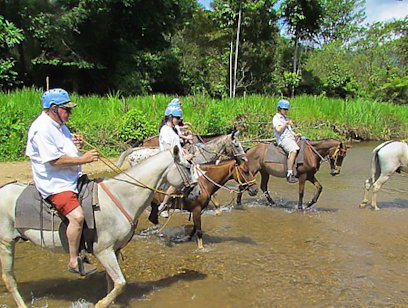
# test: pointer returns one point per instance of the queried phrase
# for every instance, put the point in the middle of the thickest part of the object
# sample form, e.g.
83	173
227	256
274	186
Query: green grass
99	118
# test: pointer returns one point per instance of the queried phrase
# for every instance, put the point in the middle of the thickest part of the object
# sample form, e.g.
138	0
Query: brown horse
212	179
153	142
314	153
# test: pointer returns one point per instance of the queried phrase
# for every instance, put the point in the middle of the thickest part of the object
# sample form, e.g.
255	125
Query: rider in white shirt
285	137
168	138
56	165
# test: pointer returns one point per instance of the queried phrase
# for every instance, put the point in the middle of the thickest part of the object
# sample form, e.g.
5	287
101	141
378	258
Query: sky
376	10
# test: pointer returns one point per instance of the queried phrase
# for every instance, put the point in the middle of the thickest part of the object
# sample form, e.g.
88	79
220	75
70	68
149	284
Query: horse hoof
376	208
362	205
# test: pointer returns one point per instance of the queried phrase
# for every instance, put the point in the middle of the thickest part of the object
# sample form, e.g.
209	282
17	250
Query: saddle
276	155
34	212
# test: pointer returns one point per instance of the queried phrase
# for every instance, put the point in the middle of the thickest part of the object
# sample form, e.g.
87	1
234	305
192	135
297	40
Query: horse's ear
235	134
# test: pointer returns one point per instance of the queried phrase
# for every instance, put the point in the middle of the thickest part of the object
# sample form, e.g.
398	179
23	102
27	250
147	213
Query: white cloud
386	10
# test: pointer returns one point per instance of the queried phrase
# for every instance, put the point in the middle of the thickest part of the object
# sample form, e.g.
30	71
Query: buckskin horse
115	226
388	157
314	153
212	178
209	152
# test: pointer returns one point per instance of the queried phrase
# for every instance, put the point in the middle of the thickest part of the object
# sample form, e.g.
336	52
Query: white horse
208	152
115	227
388	157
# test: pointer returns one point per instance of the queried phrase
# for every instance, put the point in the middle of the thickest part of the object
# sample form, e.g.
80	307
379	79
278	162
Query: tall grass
99	118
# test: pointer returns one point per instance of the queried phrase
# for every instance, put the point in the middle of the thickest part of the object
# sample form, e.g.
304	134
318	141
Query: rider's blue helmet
174	102
283	104
56	97
176	112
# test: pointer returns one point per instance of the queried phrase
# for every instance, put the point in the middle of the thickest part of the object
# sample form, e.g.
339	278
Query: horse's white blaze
114	230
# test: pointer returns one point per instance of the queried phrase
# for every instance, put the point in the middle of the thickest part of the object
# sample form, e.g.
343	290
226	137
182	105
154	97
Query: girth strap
117	203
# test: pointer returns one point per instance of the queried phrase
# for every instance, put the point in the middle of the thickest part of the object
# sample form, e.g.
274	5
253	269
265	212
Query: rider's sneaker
162	206
164	214
292	179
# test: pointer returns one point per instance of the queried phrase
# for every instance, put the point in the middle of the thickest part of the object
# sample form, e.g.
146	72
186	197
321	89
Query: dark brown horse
212	179
153	142
314	153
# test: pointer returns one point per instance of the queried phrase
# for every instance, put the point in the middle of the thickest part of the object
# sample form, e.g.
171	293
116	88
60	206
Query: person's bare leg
291	161
74	231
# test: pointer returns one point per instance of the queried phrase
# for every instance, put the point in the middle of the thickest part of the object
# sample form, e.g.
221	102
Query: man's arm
68	161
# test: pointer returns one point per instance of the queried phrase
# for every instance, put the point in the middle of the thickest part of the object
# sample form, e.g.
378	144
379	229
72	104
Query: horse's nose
335	172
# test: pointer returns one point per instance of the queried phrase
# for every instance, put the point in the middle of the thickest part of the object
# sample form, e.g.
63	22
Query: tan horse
314	153
212	178
115	227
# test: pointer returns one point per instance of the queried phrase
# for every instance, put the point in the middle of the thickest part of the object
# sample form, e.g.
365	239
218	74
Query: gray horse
388	157
133	191
209	152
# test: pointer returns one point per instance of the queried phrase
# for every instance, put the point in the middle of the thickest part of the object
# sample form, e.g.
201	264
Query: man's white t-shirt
168	138
48	141
280	119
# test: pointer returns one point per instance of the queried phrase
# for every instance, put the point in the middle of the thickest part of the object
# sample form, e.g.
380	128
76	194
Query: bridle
235	152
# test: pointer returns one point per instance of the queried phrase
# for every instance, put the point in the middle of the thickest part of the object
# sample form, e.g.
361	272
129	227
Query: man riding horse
56	165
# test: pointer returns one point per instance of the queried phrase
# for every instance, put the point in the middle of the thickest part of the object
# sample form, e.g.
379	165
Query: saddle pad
275	154
33	212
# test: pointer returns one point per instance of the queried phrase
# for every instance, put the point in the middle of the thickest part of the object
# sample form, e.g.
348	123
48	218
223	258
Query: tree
10	36
302	18
341	21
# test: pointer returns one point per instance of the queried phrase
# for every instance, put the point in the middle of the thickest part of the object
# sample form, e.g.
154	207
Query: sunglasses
67	109
178	118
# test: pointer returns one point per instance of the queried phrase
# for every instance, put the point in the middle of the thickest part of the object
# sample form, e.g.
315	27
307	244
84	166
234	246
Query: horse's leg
7	265
312	179
109	261
108	278
264	186
216	204
197	226
154	214
302	181
376	187
239	197
367	186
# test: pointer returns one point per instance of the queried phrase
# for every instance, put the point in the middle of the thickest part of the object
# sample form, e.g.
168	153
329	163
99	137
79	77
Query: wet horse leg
302	181
197	227
264	186
376	187
108	278
109	261
7	264
239	197
319	188
367	187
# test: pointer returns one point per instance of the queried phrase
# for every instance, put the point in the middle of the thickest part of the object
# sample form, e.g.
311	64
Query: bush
135	126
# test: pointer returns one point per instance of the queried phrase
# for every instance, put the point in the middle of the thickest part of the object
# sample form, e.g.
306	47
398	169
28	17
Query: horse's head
178	174
336	156
234	148
244	177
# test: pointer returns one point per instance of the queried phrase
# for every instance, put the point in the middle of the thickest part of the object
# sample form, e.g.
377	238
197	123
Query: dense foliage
239	47
110	122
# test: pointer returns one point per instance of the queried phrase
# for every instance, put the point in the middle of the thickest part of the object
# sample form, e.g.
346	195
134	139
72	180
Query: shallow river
258	256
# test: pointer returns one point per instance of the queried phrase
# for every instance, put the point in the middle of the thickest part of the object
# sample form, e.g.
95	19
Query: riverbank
109	123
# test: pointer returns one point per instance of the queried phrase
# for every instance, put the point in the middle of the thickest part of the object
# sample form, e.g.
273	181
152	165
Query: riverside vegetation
111	122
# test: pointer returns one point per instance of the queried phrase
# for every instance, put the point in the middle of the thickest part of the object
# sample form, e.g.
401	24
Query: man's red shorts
64	202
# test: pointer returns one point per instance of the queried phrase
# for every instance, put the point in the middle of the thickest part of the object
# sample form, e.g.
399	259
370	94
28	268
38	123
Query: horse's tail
375	162
123	156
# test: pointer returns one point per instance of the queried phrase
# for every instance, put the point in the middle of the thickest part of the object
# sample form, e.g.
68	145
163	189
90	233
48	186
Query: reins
104	159
247	183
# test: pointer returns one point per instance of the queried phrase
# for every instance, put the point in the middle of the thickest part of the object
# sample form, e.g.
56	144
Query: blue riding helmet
176	113
174	103
283	104
56	97
169	109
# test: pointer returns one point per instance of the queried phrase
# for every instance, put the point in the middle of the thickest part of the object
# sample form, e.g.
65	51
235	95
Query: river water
254	256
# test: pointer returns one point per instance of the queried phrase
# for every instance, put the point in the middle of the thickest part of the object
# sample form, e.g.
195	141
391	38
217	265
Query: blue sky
376	10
